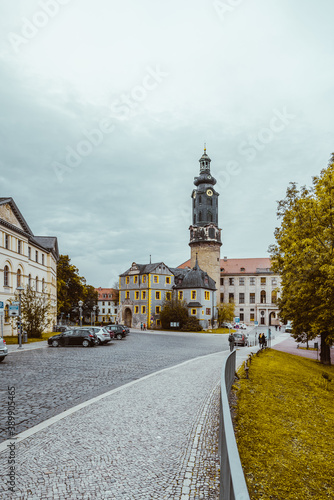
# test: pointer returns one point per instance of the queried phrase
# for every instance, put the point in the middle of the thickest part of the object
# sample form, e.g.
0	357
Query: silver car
102	333
3	349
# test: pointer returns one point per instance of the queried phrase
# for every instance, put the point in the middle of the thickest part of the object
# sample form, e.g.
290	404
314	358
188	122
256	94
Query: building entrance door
128	317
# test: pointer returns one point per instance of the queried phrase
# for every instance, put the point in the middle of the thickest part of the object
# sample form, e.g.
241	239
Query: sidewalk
289	345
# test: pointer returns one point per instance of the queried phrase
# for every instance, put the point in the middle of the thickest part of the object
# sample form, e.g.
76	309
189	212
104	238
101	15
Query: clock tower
205	235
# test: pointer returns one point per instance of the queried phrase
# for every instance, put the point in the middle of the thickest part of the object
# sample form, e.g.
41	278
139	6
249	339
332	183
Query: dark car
126	328
240	339
60	328
119	331
75	336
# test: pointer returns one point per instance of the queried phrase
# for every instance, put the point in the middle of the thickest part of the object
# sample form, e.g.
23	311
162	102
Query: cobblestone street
152	437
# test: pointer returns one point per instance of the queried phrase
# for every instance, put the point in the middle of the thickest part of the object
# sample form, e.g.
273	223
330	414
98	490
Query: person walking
231	341
141	326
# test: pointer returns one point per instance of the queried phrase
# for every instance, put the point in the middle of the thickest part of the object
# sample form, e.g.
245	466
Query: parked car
3	349
242	326
240	339
75	336
126	328
227	325
119	331
103	335
288	329
60	328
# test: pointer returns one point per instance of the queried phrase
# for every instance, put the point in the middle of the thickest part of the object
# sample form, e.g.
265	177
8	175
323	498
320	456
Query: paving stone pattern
51	380
156	439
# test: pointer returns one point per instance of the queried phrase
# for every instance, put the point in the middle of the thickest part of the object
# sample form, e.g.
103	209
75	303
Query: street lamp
20	289
80	311
94	312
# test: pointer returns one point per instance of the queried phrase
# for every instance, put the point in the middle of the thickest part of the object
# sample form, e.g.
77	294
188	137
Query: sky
106	106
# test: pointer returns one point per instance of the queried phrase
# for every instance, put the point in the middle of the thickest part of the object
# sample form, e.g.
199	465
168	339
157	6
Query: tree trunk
325	350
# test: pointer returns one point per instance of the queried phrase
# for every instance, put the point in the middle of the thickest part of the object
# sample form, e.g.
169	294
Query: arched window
210	217
18	278
263	297
6	276
200	199
274	297
200	217
42	284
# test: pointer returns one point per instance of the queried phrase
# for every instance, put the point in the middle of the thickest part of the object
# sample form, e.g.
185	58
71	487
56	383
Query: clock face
209	176
209	192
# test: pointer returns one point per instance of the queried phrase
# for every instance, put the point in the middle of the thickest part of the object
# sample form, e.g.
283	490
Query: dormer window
242	269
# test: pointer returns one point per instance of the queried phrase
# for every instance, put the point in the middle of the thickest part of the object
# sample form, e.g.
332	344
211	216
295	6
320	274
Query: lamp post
80	311
94	312
20	289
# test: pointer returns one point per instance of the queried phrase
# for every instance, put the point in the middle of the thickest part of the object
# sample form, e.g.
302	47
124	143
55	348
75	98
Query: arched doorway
272	319
128	317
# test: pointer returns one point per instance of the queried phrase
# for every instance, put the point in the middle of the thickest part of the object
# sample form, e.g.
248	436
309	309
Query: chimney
225	259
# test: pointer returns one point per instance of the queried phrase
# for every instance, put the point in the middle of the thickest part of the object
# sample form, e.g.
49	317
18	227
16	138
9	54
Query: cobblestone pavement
50	380
155	438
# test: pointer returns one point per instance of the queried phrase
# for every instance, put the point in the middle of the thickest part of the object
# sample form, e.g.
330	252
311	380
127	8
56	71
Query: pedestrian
144	326
276	328
141	326
279	328
261	340
231	341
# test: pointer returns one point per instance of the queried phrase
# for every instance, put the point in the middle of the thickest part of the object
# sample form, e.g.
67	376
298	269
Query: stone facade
25	260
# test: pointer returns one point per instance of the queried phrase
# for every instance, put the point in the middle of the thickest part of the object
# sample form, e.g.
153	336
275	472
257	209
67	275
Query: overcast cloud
105	107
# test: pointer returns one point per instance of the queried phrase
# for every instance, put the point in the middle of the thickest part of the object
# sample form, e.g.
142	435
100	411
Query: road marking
50	421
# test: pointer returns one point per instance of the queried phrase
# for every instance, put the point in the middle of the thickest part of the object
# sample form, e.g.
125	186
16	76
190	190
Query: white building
107	305
25	260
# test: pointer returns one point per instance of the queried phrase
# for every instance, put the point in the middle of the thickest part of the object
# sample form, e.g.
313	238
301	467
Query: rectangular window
103	303
231	281
193	295
207	295
108	303
143	309
180	295
193	312
127	280
252	298
208	311
103	311
252	281
157	309
43	259
168	295
167	280
241	298
155	279
252	316
158	322
241	281
127	295
36	256
157	295
144	278
135	279
29	252
136	309
222	281
242	317
7	241
143	295
263	281
19	247
221	297
231	297
136	295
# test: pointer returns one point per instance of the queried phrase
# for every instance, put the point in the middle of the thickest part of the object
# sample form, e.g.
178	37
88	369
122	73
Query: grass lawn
284	423
14	339
219	330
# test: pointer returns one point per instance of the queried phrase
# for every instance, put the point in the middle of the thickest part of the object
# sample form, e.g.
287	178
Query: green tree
35	309
225	312
173	310
304	256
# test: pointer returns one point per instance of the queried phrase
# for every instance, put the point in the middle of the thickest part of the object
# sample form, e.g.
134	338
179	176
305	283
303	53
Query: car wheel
99	342
55	343
85	343
119	336
2	358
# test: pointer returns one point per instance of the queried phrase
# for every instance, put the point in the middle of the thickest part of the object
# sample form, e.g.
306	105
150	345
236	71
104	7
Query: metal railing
232	480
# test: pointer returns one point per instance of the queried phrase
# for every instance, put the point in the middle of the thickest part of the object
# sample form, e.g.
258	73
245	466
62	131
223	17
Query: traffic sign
237	319
13	310
256	323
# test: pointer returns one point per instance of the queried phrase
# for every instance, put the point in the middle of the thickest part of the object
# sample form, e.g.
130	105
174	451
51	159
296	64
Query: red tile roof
107	292
234	266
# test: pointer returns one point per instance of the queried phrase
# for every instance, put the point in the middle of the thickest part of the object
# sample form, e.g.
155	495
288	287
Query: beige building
253	287
107	305
25	260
